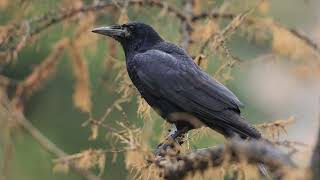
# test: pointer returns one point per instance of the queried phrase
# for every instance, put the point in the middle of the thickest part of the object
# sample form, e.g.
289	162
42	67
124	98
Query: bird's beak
115	31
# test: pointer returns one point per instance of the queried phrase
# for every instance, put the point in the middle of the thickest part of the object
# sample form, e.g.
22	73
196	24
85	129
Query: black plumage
175	86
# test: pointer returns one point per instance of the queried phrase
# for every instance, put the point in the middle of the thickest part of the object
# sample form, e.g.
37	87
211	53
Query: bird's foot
168	147
171	144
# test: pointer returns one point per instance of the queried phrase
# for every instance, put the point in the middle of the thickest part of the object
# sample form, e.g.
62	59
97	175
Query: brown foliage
83	160
3	4
40	73
82	94
285	43
274	128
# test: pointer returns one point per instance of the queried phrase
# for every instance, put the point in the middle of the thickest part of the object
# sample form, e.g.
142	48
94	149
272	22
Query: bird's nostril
116	27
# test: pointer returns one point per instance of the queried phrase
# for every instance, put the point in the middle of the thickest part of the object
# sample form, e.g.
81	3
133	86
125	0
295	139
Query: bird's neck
140	45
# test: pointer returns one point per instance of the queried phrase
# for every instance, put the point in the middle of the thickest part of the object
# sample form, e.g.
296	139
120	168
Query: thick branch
315	159
315	167
253	151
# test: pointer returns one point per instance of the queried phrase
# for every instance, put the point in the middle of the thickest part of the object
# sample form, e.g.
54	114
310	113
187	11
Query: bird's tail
241	127
234	124
245	131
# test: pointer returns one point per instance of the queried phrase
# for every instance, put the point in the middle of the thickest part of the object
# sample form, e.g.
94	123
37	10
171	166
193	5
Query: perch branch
254	151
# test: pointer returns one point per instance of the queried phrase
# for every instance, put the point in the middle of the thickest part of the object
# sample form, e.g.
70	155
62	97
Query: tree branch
7	110
15	42
186	24
177	167
315	167
61	16
315	159
250	20
52	148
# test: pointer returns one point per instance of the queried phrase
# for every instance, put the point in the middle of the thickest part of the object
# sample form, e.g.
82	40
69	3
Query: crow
174	86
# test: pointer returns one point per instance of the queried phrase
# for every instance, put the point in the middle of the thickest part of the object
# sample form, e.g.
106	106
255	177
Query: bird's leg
178	134
174	138
172	131
169	142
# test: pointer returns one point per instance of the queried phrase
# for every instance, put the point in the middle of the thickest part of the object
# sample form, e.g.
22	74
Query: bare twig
220	38
12	46
252	20
61	16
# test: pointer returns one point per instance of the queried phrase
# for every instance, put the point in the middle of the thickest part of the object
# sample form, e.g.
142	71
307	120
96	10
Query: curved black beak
112	31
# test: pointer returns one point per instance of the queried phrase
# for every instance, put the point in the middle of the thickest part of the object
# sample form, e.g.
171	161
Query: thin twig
52	148
252	20
97	7
220	38
186	25
9	113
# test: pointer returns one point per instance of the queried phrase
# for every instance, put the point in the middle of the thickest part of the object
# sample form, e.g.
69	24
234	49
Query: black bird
172	84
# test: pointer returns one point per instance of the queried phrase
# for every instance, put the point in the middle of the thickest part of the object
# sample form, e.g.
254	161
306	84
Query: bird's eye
131	27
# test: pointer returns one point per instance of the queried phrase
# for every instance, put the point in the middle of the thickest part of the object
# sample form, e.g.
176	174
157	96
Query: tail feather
233	122
244	128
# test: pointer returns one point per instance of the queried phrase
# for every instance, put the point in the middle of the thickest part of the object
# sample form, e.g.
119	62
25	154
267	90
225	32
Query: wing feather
169	78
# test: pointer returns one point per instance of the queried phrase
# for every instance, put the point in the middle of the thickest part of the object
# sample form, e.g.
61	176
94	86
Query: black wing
184	84
183	81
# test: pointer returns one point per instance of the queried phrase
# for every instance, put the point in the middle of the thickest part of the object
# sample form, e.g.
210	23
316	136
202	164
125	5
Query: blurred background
66	78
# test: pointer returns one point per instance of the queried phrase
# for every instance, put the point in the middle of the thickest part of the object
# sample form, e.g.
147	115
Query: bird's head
132	36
